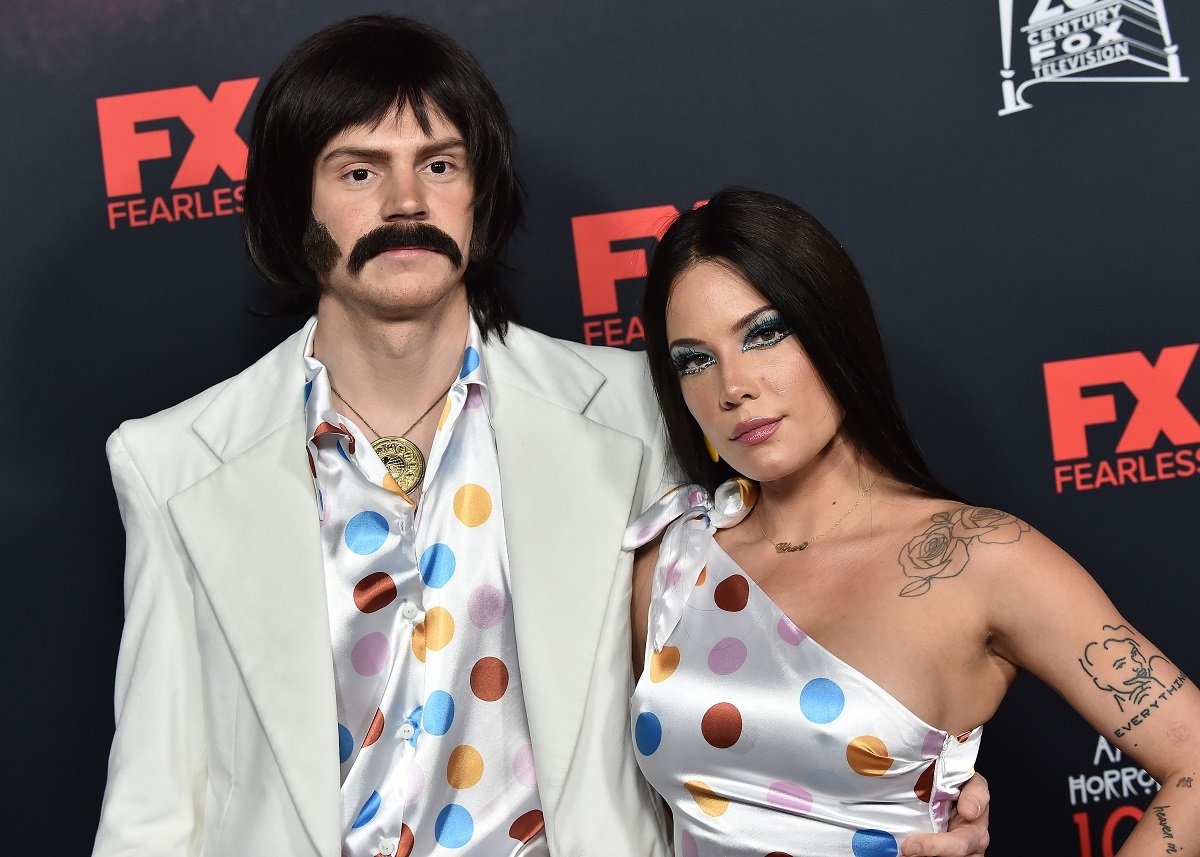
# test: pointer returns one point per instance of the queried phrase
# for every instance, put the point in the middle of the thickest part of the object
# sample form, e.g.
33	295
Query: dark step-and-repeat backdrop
1016	178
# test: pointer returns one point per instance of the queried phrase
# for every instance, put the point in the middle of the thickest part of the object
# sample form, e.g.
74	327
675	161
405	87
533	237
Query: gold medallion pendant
403	460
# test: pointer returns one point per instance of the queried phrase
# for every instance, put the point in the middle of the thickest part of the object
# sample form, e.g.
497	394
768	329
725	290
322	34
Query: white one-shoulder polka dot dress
762	742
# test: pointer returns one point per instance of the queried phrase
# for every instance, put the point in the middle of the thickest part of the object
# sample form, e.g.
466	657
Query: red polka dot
732	593
527	826
779	854
374	592
489	679
721	725
924	786
376	729
407	840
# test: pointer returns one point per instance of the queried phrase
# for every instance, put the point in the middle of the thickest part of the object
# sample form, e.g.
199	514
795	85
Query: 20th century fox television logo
1083	41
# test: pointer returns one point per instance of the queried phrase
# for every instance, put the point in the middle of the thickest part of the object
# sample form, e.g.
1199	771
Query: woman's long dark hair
800	268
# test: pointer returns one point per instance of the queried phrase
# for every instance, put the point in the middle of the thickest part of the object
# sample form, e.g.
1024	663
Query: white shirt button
409	611
406	731
386	847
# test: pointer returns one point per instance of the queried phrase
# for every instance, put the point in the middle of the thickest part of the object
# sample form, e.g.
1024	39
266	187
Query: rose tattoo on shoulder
942	551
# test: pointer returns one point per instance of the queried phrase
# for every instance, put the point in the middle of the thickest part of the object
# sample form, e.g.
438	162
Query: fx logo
1155	388
213	123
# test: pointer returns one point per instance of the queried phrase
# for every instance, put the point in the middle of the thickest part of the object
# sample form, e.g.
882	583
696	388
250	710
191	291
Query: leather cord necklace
401	457
789	547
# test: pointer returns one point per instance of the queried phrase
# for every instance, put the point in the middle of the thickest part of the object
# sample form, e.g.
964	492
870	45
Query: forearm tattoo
943	550
1138	684
1164	826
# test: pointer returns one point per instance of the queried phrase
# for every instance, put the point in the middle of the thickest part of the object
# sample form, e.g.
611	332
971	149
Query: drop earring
712	450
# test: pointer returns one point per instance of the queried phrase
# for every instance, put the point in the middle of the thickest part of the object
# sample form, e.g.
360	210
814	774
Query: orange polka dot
418	642
489	679
389	482
445	413
732	593
374	592
703	576
464	768
472	504
663	663
721	725
867	755
527	826
376	729
439	628
706	798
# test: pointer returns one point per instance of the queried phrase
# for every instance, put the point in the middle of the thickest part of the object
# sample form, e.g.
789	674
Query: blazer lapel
252	531
567	488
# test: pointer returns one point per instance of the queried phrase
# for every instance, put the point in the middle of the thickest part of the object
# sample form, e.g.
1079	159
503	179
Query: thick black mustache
397	236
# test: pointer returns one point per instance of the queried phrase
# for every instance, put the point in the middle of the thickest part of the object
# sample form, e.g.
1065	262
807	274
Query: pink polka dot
416	784
932	747
695	498
727	656
370	654
789	796
523	767
474	396
687	845
486	607
789	633
673	575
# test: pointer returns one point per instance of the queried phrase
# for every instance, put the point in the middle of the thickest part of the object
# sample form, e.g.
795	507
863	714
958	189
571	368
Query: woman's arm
639	603
1051	618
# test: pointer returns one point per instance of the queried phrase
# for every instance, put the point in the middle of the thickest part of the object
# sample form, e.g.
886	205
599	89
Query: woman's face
744	375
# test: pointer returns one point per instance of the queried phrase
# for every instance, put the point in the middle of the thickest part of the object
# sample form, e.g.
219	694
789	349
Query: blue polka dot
345	743
437	565
647	732
438	713
341	441
366	532
470	362
874	843
368	811
454	826
822	700
307	391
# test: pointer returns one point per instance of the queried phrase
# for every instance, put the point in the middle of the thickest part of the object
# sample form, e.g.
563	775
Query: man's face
392	217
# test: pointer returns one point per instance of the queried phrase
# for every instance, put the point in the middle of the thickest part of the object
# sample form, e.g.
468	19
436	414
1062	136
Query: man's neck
391	370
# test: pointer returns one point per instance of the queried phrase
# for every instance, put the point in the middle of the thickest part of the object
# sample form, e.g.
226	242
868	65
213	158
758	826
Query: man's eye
439	167
359	175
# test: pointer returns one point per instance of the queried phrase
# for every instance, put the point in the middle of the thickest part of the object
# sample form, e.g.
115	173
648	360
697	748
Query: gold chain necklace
788	547
401	457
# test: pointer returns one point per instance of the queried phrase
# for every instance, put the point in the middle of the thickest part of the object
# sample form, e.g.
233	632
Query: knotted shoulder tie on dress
686	516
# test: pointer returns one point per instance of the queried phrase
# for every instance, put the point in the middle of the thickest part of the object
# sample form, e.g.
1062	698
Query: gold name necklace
789	547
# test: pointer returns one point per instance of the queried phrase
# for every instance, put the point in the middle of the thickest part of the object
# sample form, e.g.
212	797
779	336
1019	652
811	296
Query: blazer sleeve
157	770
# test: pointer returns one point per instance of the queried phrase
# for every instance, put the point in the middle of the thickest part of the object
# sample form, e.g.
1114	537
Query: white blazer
226	743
